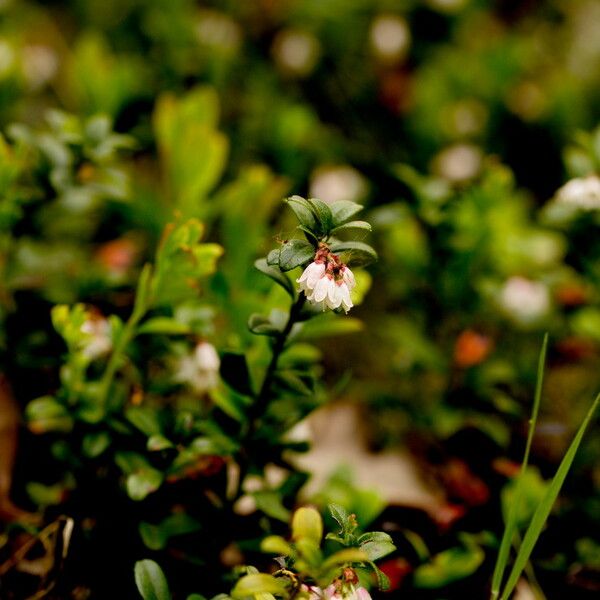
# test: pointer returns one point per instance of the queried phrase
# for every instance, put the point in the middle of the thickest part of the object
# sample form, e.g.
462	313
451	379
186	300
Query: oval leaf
151	581
295	253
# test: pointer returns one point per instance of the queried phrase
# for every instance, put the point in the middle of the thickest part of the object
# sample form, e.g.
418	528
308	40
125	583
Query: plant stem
113	362
261	402
262	399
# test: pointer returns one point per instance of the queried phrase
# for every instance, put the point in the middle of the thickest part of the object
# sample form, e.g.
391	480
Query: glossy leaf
295	253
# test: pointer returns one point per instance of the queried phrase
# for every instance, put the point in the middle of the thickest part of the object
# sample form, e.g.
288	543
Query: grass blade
511	521
543	510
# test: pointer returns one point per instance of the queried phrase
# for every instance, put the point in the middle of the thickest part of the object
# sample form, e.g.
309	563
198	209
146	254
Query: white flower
581	192
311	275
98	340
348	278
327	282
207	357
526	301
200	370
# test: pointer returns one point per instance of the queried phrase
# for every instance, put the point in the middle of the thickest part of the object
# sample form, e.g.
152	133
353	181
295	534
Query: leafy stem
126	335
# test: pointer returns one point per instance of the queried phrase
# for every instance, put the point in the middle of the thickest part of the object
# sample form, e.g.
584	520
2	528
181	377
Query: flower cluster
327	282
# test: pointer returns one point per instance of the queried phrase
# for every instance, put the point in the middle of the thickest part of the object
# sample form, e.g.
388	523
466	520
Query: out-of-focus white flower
390	38
582	192
525	300
40	64
296	52
458	163
217	30
200	370
98	341
333	183
466	117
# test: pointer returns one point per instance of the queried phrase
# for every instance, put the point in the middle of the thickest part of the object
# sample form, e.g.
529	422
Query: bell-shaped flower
311	275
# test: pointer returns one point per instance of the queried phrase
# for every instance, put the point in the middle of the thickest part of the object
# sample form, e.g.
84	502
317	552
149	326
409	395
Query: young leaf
294	253
276	275
151	581
541	514
234	371
341	516
307	524
257	583
276	545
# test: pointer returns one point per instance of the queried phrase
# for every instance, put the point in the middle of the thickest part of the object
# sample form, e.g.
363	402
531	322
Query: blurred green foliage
167	132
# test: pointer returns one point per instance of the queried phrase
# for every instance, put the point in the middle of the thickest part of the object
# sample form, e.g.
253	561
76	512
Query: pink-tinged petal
349	278
361	594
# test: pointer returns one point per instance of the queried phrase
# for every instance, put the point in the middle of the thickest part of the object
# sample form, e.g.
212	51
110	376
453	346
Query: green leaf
47	414
448	566
146	419
273	257
291	382
158	442
343	211
303	211
307	524
257	583
234	371
355	252
543	511
163	325
348	555
156	537
262	325
151	581
322	214
143	482
377	549
342	517
383	582
276	275
269	502
295	253
512	520
276	545
94	444
352	225
229	402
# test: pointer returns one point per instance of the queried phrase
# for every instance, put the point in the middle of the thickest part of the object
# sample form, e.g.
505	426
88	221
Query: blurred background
468	128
